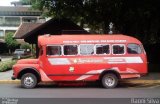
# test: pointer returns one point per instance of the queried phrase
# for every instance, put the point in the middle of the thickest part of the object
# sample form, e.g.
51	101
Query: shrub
25	46
6	65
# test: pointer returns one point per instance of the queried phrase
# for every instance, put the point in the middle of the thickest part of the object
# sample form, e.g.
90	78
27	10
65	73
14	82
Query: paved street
52	91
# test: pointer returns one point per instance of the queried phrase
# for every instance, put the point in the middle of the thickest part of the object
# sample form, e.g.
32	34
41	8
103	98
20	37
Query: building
30	31
12	16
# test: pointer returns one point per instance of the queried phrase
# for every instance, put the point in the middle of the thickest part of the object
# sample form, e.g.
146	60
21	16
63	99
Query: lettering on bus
95	41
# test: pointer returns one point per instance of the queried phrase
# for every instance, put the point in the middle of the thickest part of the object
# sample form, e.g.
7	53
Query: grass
7	65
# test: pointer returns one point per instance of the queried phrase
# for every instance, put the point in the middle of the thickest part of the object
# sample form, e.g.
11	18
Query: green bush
6	65
25	46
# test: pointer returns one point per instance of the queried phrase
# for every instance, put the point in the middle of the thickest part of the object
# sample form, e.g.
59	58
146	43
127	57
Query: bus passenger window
102	49
133	49
53	50
118	49
70	50
86	49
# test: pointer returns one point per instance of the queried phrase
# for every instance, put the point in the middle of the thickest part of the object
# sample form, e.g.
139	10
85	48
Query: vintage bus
107	58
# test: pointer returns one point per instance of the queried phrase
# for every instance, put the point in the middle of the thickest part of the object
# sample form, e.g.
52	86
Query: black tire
110	77
28	81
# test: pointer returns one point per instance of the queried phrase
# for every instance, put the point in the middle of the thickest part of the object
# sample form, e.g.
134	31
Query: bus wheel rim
28	81
109	81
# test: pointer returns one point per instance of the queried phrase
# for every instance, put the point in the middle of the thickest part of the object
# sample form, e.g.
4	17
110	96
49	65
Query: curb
142	81
123	81
9	81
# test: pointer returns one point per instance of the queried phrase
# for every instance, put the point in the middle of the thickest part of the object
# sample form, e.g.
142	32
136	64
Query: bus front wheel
109	80
29	81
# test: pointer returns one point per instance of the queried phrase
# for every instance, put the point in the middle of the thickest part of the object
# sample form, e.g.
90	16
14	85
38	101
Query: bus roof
86	39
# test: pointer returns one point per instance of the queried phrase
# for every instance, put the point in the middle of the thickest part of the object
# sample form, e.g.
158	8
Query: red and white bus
106	58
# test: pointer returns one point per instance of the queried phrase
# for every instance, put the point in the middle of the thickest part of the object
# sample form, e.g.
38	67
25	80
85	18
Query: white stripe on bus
113	60
128	70
109	60
59	61
90	72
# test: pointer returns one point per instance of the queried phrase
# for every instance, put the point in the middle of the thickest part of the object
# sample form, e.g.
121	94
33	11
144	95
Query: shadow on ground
122	84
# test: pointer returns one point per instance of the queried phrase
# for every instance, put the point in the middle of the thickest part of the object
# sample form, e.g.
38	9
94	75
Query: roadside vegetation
7	65
10	42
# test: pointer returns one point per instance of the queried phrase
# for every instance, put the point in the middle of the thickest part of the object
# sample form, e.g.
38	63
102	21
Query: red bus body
87	67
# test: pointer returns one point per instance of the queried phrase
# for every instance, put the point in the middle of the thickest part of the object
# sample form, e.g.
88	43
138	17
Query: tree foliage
26	2
25	46
10	41
139	18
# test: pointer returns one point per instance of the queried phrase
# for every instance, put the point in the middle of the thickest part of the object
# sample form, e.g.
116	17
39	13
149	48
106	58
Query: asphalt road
94	91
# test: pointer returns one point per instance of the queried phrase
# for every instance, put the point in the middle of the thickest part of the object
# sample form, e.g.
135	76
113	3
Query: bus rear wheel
109	80
28	81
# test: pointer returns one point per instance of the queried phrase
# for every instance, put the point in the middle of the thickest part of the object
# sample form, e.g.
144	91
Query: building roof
15	3
20	41
53	26
17	9
24	28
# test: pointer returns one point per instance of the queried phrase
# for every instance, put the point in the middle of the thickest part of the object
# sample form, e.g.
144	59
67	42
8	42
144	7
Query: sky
6	2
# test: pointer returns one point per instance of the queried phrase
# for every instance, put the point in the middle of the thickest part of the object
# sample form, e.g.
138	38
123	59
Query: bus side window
53	50
70	50
134	49
118	49
86	49
102	49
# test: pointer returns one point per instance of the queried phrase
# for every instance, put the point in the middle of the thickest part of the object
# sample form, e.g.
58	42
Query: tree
25	46
26	2
96	13
10	41
138	18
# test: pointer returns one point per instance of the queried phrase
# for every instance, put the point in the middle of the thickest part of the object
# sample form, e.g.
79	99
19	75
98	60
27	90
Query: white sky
6	2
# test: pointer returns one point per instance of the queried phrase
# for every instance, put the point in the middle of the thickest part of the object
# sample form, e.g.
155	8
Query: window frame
119	44
87	54
54	55
136	53
3	33
70	55
41	51
143	49
102	54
